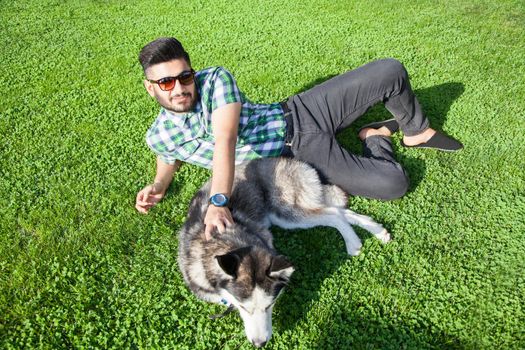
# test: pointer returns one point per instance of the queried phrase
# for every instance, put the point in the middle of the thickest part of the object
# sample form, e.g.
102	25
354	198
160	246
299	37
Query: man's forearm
223	166
164	174
225	123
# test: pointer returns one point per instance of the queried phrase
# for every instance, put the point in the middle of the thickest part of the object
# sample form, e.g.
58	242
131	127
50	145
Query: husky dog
240	267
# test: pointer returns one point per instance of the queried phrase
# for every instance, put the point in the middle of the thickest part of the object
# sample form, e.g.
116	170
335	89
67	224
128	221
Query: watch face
219	200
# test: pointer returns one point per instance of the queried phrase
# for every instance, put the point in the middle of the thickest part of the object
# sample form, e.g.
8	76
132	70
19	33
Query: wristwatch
219	200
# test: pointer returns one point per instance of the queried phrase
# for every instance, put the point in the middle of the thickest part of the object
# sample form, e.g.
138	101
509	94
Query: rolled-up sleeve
225	90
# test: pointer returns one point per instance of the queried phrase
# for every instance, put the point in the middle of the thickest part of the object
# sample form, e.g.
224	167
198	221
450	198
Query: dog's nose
260	343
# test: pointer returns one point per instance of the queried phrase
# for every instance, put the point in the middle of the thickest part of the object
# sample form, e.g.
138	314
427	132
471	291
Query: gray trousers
319	113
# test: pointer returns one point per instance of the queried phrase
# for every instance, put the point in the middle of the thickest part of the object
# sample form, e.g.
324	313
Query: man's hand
216	217
148	197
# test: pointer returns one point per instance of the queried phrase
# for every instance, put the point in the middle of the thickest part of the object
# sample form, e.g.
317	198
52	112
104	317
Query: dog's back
260	188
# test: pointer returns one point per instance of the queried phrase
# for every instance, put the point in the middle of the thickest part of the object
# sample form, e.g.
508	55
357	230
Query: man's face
182	98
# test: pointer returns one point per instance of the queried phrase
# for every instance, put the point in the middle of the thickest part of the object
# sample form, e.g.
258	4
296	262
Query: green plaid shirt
189	137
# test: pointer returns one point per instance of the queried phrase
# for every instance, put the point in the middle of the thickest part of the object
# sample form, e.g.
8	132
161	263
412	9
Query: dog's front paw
384	236
354	252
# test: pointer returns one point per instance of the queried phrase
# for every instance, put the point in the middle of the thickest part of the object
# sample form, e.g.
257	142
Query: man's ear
281	268
149	88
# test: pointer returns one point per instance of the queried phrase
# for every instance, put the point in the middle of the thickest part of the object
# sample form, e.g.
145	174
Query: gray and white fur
240	267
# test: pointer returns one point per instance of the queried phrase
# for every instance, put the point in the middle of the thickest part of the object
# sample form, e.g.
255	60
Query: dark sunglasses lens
167	84
186	78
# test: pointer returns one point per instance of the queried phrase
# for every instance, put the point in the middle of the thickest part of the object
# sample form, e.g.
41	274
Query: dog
240	267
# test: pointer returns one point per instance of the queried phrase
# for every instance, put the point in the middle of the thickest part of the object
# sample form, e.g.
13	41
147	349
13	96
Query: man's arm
165	174
153	193
225	124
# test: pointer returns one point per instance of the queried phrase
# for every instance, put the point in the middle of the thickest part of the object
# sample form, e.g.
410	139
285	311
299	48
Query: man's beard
182	108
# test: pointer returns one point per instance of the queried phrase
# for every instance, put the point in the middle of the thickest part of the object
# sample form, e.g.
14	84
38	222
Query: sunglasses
168	83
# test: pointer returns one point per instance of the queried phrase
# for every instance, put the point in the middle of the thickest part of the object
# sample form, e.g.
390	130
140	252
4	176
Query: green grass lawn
81	268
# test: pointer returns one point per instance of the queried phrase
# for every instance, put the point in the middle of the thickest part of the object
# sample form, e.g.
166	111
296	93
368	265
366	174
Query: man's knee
392	68
394	185
386	184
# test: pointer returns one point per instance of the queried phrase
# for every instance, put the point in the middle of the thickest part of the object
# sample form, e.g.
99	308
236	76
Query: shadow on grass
366	332
435	101
317	254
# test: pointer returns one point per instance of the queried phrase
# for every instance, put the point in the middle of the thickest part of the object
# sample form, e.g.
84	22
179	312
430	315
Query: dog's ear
230	262
281	268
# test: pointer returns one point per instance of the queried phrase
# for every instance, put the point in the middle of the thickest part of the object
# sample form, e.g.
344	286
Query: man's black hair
162	50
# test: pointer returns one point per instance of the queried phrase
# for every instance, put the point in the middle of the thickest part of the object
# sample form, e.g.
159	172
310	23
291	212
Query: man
207	121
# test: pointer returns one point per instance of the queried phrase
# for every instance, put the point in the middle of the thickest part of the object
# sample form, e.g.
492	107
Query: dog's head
254	280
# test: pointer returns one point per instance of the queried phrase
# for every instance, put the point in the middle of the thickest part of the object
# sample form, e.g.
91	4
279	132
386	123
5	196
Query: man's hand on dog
216	217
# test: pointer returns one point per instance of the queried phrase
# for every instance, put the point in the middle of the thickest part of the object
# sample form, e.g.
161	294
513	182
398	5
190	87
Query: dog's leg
332	217
368	224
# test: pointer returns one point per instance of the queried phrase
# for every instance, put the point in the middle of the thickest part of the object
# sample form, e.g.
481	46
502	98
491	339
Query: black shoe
439	141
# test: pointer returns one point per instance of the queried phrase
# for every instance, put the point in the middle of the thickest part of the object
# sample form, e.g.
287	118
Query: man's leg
336	103
327	108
